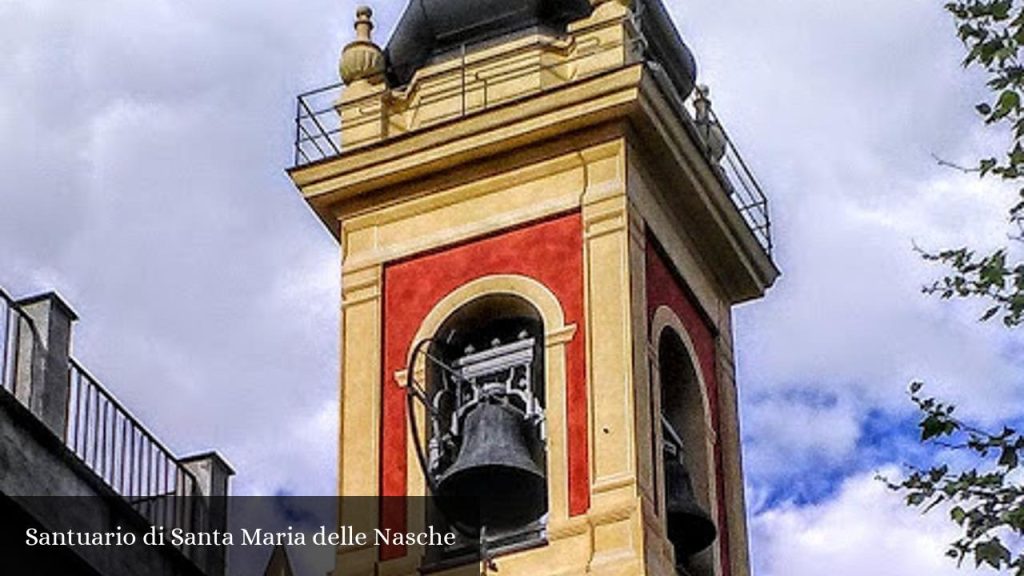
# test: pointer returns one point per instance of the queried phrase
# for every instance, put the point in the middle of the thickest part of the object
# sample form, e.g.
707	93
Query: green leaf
1009	458
1001	10
986	166
934	426
992	553
958	515
1017	155
1015	519
1009	102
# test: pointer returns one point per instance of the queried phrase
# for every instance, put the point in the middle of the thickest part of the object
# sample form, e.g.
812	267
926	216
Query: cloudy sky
142	176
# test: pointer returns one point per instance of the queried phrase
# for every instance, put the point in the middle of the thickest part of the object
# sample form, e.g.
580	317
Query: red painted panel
550	252
665	288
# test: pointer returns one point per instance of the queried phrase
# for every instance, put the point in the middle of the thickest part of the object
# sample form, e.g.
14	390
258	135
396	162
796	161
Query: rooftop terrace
475	79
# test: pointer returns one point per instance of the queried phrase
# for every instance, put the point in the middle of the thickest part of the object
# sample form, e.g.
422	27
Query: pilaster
616	516
729	440
42	381
360	391
360	413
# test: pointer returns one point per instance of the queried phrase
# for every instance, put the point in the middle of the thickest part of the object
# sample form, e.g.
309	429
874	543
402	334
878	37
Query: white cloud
820	436
865	530
849	316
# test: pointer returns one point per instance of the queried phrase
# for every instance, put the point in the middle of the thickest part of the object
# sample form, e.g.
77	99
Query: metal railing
102	433
12	324
744	190
318	124
732	171
475	86
119	449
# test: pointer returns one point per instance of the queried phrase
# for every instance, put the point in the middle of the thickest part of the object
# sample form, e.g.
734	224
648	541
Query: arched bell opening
685	461
486	441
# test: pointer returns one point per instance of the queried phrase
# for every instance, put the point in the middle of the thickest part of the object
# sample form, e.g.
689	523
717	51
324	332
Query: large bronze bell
494	481
690	528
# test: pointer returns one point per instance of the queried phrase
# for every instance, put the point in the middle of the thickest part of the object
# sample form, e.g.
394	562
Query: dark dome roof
430	27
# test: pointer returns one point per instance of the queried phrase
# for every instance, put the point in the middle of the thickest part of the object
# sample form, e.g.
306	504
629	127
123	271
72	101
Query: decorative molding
560	336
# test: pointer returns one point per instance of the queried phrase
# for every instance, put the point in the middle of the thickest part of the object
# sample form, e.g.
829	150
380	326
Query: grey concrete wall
40	474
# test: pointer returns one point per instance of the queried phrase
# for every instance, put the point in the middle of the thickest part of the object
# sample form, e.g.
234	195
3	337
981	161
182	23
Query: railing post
212	474
42	379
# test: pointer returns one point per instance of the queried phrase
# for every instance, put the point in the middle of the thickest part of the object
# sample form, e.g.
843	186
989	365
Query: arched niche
509	296
680	393
497	342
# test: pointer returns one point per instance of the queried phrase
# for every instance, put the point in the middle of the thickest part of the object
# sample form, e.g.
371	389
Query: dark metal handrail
318	125
744	190
121	451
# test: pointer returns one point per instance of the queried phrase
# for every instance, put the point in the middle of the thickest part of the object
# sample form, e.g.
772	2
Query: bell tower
543	229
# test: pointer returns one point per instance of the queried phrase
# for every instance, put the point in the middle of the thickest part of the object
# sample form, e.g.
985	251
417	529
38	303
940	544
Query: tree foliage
993	33
986	501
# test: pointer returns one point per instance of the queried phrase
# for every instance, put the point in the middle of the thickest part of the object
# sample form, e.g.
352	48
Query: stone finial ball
362	59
